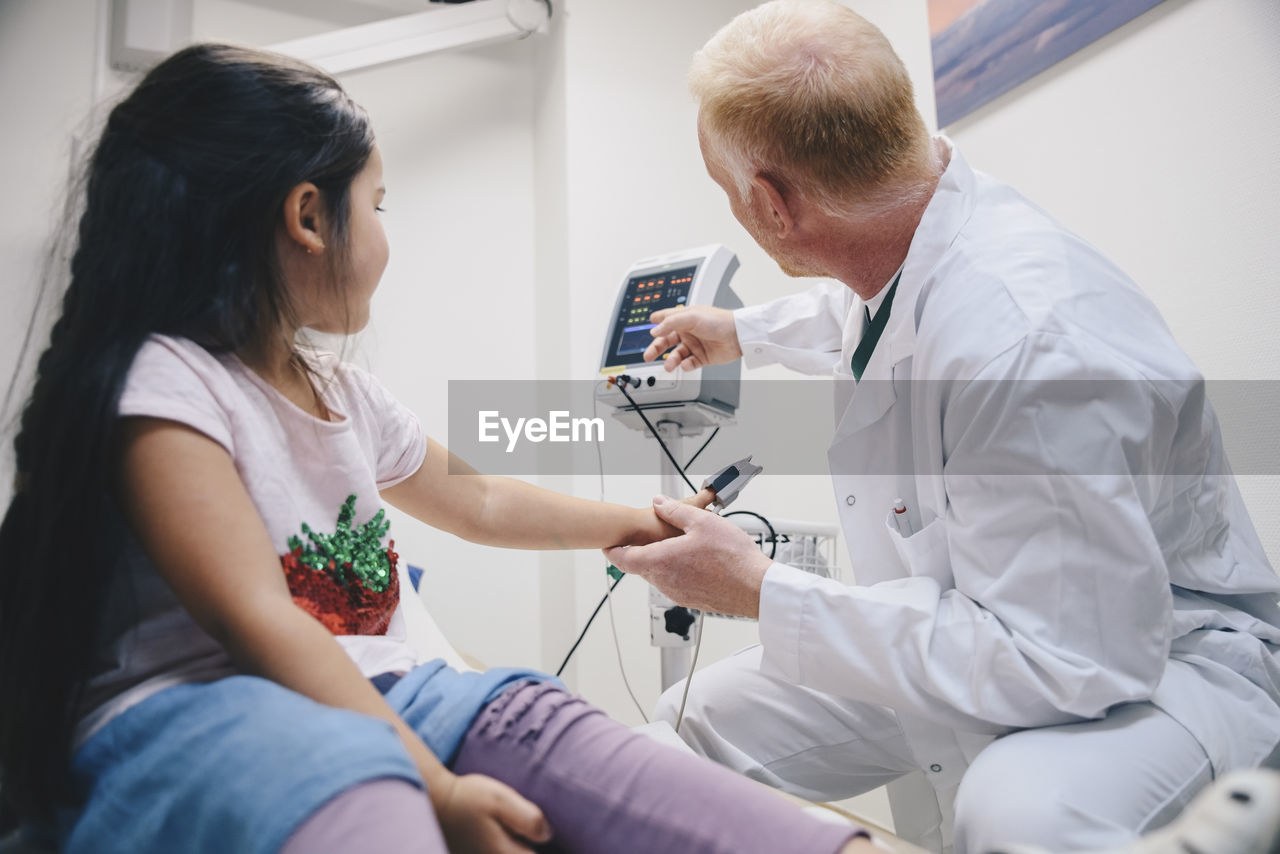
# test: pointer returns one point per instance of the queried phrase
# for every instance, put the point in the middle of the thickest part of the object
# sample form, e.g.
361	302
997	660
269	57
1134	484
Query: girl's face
345	309
368	250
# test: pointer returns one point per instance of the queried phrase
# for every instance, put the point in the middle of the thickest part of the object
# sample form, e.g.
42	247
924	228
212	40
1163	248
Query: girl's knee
527	714
379	815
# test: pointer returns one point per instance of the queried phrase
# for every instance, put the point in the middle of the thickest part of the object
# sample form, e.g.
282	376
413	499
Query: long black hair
182	199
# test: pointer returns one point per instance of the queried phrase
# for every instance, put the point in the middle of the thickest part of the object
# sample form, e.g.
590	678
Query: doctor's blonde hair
811	94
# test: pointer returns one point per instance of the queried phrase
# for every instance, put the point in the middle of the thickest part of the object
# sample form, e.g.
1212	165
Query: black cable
773	535
703	448
573	648
621	385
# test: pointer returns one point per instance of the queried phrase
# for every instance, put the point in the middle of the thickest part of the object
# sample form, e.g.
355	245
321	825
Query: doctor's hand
701	335
714	566
655	527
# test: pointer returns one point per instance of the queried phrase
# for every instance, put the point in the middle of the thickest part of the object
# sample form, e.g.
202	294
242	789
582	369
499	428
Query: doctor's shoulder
965	317
992	289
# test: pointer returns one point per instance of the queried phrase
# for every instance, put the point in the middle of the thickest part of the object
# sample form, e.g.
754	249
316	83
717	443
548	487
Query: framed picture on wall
984	48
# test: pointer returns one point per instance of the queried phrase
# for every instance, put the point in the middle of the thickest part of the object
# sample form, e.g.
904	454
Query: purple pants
600	786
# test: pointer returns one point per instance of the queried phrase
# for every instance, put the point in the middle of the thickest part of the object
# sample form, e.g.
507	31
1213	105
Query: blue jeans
237	764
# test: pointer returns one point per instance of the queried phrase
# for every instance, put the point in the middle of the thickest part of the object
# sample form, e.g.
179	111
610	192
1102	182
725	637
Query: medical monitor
698	276
641	297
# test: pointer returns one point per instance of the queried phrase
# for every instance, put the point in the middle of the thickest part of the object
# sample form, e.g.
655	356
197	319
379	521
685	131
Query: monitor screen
644	295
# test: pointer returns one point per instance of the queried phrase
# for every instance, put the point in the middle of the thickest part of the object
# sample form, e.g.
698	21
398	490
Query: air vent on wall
452	27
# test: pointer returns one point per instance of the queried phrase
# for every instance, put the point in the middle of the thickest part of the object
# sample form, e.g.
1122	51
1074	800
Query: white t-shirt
297	470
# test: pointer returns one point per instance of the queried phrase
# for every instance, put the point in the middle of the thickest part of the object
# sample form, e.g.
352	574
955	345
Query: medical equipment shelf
807	546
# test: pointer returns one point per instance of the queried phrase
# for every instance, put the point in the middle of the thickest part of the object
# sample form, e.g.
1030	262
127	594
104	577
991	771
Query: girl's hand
480	815
653	528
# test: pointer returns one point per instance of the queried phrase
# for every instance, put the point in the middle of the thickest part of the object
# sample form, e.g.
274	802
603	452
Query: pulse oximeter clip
730	480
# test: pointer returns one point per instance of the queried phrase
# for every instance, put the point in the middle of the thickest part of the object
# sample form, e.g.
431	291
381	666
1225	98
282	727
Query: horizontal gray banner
1071	427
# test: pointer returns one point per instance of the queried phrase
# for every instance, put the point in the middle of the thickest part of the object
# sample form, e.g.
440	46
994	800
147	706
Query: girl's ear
303	217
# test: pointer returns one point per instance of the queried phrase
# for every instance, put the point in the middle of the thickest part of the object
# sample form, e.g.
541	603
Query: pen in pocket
900	518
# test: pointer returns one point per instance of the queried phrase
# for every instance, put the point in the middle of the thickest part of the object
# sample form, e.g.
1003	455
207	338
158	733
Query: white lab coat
1026	597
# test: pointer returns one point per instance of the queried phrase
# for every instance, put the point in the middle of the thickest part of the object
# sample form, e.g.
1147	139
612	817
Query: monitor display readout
645	294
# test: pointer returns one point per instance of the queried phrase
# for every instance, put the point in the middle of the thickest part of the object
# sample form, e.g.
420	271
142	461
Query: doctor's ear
303	213
773	196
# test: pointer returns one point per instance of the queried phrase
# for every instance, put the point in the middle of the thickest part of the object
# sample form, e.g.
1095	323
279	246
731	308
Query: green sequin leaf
349	555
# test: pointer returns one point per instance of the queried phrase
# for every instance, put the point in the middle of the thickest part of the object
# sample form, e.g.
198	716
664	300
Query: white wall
43	102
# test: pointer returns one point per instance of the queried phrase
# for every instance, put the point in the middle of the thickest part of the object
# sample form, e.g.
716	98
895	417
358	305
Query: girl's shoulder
168	364
178	380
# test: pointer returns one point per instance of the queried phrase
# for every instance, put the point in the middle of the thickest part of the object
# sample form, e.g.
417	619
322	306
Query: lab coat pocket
925	552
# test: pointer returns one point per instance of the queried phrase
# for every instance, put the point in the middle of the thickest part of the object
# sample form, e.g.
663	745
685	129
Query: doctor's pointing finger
693	337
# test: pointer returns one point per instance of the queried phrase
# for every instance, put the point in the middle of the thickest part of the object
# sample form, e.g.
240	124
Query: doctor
1073	626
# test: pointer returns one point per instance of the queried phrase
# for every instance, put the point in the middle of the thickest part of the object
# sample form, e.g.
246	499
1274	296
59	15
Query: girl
198	592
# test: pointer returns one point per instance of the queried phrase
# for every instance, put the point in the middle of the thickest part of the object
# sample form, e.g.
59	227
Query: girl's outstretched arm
448	494
189	509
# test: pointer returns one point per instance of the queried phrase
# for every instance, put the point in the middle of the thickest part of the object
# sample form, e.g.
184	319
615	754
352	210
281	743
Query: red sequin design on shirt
335	593
352	610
